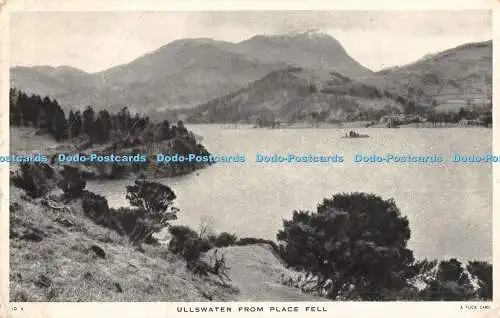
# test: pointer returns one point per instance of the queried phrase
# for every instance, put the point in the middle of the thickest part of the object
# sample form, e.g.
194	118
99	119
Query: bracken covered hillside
58	254
450	78
296	94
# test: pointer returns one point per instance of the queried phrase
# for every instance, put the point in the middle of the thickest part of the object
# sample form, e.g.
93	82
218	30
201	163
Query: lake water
449	205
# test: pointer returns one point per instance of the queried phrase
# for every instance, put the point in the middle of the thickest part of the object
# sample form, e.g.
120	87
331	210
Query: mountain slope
186	72
181	73
190	72
64	83
451	77
294	94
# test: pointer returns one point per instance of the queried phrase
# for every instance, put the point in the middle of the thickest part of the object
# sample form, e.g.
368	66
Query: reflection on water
448	204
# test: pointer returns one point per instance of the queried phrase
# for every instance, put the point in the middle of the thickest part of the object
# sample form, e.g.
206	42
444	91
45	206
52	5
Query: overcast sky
94	41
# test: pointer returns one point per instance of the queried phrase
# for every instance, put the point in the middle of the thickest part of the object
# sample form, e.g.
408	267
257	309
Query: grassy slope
73	272
51	259
24	140
460	73
286	92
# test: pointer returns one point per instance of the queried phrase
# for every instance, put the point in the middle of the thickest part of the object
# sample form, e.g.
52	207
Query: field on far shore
25	140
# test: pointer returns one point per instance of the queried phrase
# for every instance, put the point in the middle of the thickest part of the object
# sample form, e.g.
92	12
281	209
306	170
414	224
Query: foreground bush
37	179
122	220
187	243
354	248
451	282
96	208
354	243
152	210
72	182
154	203
223	239
191	246
252	240
483	271
155	199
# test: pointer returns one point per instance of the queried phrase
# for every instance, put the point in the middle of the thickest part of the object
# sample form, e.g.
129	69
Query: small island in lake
353	134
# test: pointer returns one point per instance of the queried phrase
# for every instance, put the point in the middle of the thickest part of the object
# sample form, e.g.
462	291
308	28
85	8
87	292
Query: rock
43	281
87	275
13	234
14	207
207	295
132	265
98	251
118	288
56	195
15	276
26	197
88	172
33	235
65	222
105	239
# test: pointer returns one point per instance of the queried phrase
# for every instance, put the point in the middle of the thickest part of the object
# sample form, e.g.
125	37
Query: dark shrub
37	179
187	243
95	207
155	198
124	220
154	202
224	239
354	240
483	271
451	283
128	217
72	182
252	241
151	212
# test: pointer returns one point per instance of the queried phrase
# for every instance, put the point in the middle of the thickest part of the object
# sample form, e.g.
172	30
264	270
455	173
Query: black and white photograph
250	156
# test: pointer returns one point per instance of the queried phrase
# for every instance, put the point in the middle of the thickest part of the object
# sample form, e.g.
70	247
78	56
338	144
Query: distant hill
187	72
296	94
64	83
447	80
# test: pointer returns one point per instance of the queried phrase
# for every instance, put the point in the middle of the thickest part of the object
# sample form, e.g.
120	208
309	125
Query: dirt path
256	271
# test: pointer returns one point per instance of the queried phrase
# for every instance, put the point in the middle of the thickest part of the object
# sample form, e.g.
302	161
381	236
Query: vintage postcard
253	159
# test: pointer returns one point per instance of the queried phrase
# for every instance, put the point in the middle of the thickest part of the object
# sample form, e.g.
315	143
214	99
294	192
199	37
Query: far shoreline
343	125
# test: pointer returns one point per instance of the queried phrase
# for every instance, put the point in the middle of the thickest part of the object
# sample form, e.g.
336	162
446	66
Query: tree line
98	127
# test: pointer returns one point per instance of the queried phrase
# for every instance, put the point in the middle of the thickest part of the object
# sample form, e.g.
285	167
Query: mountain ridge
185	73
201	61
448	79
